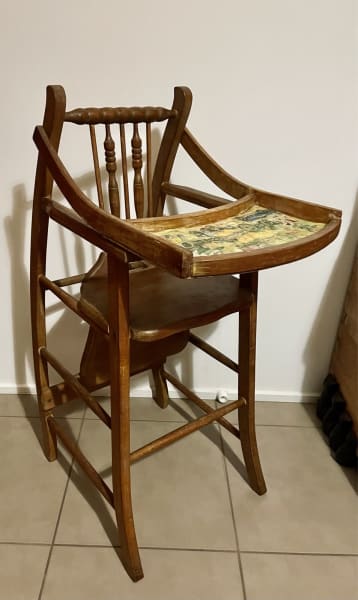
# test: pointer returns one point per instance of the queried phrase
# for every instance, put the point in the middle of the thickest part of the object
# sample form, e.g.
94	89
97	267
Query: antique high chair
155	279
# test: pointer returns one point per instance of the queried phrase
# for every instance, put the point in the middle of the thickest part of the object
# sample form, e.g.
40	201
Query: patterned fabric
255	228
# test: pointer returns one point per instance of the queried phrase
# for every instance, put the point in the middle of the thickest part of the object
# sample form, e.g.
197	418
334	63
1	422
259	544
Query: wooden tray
256	232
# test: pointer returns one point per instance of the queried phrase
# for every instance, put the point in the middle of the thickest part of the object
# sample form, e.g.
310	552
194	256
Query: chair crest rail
108	115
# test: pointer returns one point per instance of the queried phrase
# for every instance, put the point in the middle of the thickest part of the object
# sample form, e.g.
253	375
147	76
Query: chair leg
247	356
120	384
161	390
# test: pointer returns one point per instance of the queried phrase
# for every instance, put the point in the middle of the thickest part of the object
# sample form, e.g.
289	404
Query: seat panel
162	304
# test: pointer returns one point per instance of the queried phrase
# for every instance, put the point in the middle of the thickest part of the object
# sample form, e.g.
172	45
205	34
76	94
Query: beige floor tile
310	505
31	487
21	571
279	577
18	405
180	494
93	573
21	405
283	413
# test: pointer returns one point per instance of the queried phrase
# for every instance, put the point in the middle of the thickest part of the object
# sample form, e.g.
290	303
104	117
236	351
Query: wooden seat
156	276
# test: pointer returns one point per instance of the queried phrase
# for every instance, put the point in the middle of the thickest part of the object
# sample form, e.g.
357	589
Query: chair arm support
194	196
226	182
69	219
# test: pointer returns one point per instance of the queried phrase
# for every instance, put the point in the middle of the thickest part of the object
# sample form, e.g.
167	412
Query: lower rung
181	432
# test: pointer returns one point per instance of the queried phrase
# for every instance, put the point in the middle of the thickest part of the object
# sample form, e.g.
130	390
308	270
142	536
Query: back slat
137	163
96	166
111	166
125	169
149	170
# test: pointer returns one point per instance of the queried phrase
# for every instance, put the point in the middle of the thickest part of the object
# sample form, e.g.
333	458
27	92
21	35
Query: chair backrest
126	176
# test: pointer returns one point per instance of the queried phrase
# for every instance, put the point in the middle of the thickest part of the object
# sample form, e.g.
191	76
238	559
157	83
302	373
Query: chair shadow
15	226
327	312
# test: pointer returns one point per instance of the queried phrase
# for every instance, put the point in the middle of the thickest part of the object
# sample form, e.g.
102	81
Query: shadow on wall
67	326
329	311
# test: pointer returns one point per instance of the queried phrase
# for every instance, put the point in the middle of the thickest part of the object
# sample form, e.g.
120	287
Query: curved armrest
226	182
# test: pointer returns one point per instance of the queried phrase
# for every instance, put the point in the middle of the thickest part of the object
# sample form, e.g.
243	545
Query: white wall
275	98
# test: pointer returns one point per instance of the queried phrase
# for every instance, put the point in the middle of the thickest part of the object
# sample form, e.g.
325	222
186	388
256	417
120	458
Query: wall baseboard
208	394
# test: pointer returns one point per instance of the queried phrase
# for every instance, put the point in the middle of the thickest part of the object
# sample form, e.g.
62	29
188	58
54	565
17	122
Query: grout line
161	548
24	544
59	516
79	418
241	570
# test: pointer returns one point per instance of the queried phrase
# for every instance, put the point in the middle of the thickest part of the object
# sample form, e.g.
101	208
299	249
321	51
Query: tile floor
204	535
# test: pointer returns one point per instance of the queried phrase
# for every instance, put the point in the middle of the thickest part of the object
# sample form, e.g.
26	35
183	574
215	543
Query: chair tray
256	232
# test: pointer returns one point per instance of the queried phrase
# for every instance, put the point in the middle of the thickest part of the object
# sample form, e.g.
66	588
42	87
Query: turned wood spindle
137	163
111	166
96	166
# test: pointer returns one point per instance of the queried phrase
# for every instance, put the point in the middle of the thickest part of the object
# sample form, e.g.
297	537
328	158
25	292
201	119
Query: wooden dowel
205	347
79	457
77	387
181	432
96	166
125	170
150	209
200	403
93	317
69	280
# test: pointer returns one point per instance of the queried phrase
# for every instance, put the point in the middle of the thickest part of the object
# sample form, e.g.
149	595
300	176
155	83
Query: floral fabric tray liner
255	228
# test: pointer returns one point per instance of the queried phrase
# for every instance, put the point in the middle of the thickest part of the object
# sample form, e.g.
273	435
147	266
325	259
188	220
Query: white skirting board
145	392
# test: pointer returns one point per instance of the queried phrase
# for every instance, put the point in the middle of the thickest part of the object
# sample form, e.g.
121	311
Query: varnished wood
135	114
124	170
80	307
200	403
175	304
144	294
185	430
52	124
246	388
118	292
213	352
111	166
161	390
137	163
96	166
194	196
226	182
77	387
150	208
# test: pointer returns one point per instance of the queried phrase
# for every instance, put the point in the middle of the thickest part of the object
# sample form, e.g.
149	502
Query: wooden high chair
155	279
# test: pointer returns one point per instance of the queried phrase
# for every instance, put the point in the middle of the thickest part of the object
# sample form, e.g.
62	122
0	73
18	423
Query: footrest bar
181	432
200	403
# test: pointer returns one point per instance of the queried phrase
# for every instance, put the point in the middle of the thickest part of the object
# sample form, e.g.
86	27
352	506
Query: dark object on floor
330	386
